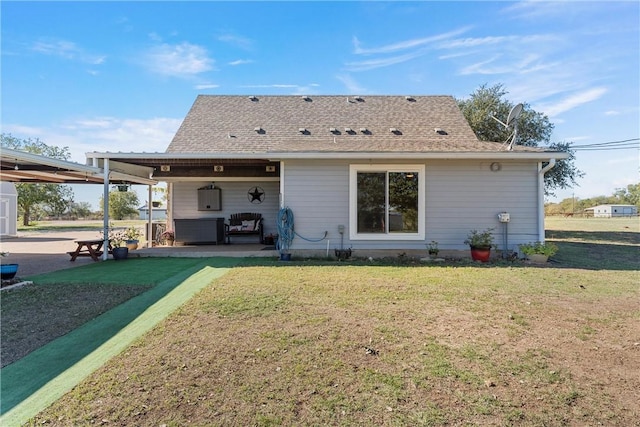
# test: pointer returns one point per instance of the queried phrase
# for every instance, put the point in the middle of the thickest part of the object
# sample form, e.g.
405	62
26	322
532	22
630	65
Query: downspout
541	172
105	211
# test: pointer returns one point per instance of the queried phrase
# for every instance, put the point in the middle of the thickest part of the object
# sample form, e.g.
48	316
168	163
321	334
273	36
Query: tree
44	195
80	210
534	129
629	195
122	204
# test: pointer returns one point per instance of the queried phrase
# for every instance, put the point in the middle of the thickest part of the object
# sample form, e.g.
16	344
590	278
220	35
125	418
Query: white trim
380	155
353	201
282	199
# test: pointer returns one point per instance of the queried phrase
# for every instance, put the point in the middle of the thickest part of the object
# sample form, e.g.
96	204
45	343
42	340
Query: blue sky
120	76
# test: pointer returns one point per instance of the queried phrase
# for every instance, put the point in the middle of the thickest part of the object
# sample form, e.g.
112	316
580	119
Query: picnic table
92	248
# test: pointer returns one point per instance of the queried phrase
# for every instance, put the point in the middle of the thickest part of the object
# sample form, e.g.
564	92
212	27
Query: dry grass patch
394	346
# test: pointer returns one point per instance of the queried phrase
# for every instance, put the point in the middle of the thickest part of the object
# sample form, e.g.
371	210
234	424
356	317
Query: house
611	211
368	173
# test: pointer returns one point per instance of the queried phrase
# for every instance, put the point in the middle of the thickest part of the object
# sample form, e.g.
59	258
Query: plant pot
132	245
538	258
120	253
480	254
169	242
343	254
8	271
285	257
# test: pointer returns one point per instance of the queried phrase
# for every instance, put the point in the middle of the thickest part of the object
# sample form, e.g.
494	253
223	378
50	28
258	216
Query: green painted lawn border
25	393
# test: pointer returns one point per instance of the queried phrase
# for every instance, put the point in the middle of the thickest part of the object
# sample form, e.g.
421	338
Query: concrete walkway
46	251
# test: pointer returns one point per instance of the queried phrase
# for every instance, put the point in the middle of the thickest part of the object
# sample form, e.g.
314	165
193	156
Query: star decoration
256	195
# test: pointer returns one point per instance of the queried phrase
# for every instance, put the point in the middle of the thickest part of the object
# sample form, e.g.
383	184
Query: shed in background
8	209
611	211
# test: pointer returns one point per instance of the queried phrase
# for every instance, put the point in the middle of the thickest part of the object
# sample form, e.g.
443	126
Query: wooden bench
243	224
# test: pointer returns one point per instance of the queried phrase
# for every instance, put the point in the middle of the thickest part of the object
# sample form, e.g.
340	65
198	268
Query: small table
92	248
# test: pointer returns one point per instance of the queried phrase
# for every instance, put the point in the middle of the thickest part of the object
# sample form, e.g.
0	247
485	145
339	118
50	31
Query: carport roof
20	166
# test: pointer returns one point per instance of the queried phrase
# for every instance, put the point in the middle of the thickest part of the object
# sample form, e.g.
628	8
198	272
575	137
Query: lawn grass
41	226
355	345
390	343
596	243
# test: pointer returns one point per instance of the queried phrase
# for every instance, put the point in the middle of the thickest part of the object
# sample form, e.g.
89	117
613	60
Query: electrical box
209	199
504	217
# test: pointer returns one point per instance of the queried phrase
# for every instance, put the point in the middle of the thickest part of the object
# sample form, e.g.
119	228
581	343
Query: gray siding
460	196
467	195
318	195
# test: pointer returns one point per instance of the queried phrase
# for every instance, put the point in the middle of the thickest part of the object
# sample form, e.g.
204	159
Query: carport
20	166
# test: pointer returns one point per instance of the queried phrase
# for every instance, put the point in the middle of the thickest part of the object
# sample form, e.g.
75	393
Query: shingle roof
286	124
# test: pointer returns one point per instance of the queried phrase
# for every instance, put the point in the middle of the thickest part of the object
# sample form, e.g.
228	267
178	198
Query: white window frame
353	201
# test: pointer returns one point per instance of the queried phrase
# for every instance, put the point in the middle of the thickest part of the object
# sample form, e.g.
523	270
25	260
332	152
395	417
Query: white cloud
573	101
241	62
179	60
238	41
269	86
612	113
206	86
67	50
382	62
405	44
349	82
104	134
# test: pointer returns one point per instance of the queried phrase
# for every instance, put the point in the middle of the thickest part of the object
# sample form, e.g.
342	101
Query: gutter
541	172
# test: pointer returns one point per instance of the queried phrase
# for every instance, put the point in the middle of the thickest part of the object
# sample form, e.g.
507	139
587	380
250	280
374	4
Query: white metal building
610	211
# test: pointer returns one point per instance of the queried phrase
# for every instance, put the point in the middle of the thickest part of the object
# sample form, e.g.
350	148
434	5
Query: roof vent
440	131
306	98
259	130
365	131
358	98
334	130
348	130
395	131
253	98
410	98
303	131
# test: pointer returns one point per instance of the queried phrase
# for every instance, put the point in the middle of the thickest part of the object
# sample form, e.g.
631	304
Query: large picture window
387	202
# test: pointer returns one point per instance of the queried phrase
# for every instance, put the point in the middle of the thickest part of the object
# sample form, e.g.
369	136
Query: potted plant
480	243
117	240
168	237
433	249
7	271
132	235
538	251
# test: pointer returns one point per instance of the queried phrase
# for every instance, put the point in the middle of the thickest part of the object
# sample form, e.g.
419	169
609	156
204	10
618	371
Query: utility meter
504	217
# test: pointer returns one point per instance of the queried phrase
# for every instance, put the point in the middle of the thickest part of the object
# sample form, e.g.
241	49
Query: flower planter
285	257
120	253
538	258
342	254
132	245
480	254
8	271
